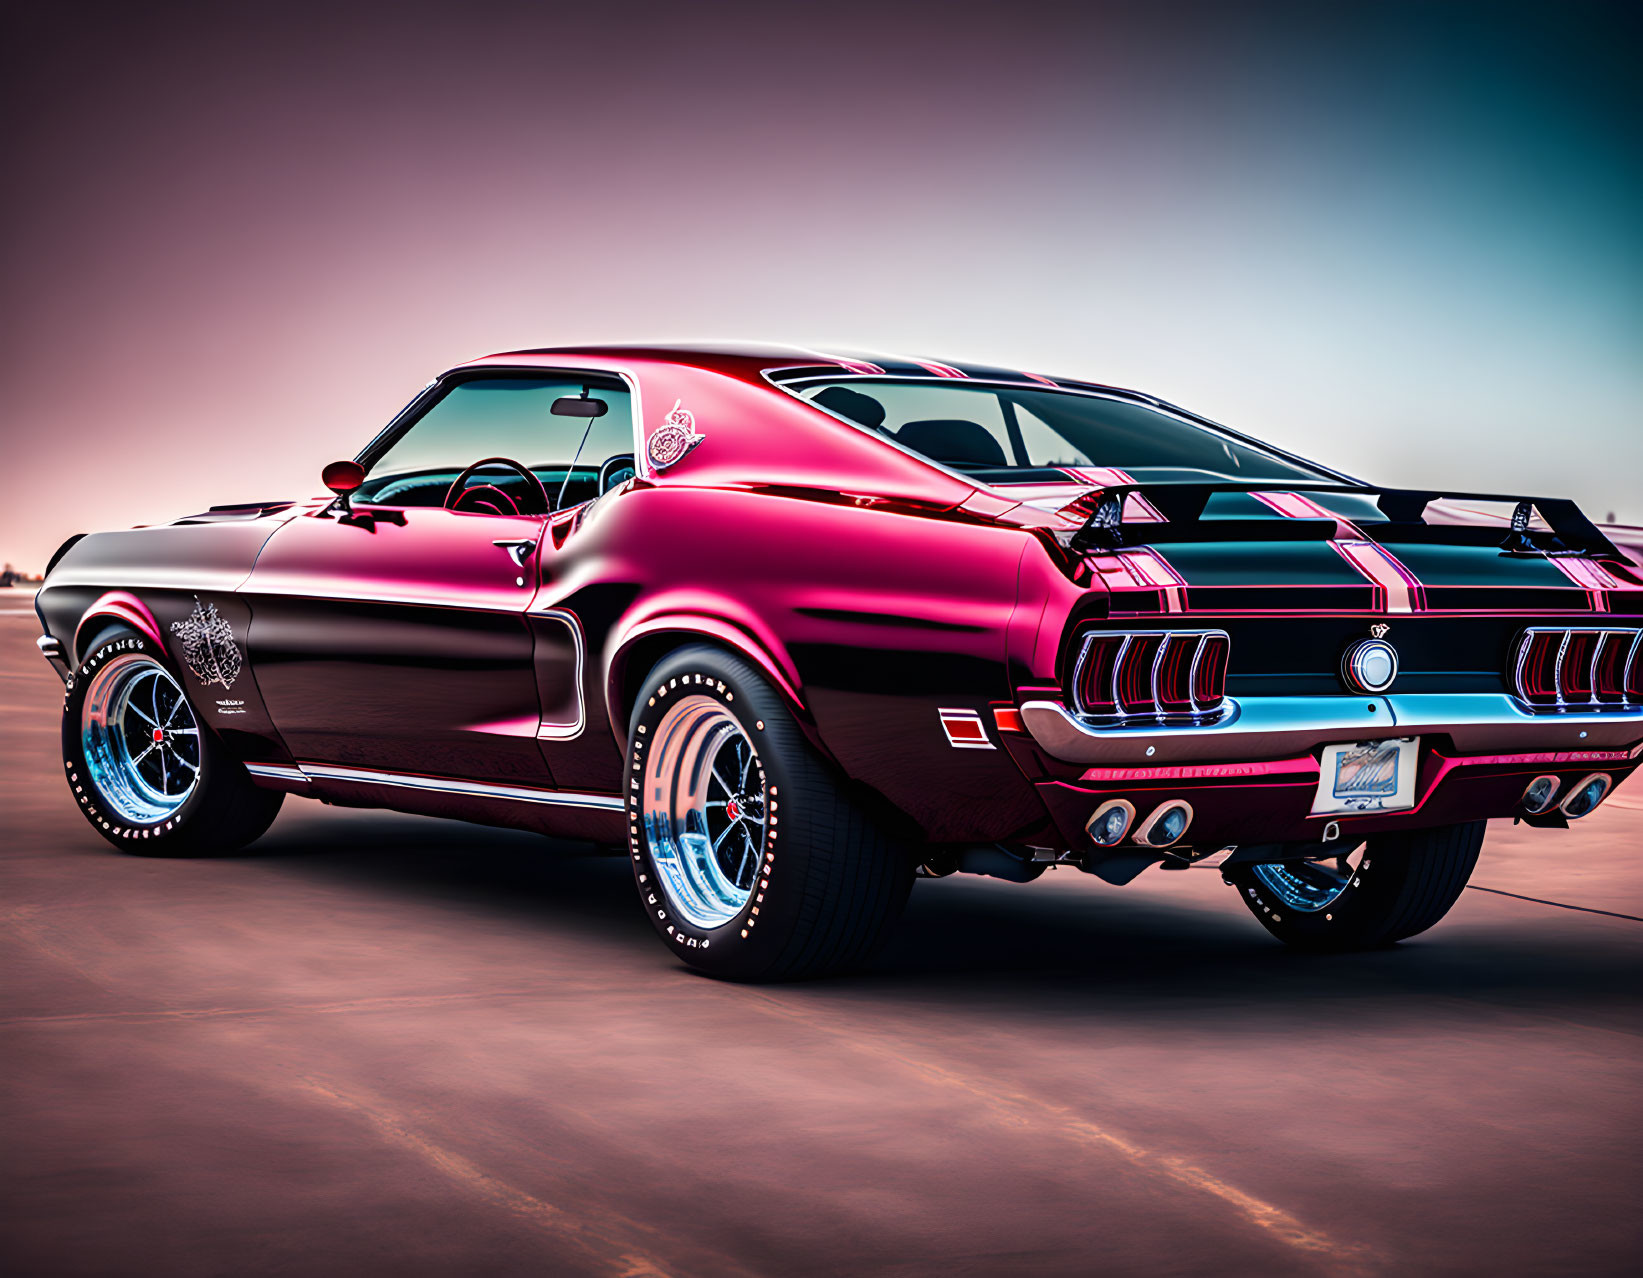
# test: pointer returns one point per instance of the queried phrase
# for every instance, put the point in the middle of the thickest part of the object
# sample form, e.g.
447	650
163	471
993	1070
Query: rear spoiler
1572	533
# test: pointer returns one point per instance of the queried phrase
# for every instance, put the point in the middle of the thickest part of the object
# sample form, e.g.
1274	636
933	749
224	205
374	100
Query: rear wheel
146	772
751	860
1397	886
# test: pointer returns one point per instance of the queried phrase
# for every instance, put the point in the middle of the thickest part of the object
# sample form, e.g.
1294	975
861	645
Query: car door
393	637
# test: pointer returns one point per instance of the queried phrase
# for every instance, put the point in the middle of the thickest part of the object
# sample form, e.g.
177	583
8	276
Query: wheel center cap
733	810
159	735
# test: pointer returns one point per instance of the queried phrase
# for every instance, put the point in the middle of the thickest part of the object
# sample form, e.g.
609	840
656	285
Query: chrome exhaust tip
1110	822
1586	794
1538	794
1167	824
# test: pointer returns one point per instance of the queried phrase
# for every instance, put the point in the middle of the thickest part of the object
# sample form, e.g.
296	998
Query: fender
122	606
688	625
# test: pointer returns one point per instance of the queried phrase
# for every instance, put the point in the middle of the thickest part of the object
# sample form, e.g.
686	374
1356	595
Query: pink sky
235	246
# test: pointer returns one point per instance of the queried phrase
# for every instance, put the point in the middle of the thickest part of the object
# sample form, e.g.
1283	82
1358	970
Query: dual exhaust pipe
1164	825
1579	800
1167	823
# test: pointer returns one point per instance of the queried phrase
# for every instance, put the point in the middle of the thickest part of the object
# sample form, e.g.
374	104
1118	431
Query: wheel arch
115	606
638	650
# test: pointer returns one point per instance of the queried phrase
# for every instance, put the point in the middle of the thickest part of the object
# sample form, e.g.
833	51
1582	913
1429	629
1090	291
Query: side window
503	417
965	426
1046	447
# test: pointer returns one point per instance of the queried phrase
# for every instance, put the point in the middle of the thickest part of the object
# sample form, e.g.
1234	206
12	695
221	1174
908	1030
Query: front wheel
1398	886
145	771
751	860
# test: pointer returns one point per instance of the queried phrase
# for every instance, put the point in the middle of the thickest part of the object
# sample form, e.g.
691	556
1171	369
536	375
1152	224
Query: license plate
1367	776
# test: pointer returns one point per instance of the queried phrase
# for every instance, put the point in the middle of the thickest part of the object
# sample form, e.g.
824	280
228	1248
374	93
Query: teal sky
1402	239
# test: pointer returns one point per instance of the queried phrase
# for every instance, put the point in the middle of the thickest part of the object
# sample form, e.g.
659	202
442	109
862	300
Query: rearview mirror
342	478
576	406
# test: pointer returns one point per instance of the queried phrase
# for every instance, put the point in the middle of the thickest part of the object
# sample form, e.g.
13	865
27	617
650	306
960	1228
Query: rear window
1010	435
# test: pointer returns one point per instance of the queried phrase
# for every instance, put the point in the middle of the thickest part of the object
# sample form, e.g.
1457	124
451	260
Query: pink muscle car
789	629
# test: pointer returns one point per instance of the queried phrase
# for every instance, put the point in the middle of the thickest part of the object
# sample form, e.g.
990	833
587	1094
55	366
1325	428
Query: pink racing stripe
1400	591
1595	579
1102	476
857	366
940	370
1294	506
1044	380
1137	508
1154	570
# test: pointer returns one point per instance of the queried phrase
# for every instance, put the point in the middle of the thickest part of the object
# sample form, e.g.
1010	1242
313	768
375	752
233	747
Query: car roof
756	362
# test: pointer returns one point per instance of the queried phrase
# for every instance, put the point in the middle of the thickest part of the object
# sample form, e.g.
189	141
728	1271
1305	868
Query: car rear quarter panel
872	620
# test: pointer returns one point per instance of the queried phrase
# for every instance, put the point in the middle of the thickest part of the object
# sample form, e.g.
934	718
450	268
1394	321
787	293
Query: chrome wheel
140	739
1307	887
704	811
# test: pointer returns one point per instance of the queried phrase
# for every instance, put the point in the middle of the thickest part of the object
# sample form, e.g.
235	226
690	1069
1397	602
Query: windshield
504	416
1011	435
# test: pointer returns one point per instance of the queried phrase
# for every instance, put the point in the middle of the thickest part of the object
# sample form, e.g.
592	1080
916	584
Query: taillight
1151	673
1094	692
1136	692
1609	669
1209	677
1574	667
1557	667
1537	666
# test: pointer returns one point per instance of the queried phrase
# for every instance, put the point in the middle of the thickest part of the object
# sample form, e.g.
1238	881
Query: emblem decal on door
209	650
675	437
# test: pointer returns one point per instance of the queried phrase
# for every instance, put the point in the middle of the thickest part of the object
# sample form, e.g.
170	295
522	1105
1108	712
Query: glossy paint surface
884	596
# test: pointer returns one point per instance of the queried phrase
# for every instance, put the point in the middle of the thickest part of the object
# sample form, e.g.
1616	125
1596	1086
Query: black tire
1402	885
829	885
222	812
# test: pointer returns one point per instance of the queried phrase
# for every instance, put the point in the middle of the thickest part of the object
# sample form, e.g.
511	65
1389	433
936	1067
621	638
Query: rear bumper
1274	727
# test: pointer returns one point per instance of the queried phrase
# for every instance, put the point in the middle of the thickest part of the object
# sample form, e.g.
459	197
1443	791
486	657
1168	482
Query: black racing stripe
1477	598
1281	599
1262	563
1440	565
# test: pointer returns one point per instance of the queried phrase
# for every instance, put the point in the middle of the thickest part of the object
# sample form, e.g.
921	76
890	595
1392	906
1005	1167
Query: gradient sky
1404	239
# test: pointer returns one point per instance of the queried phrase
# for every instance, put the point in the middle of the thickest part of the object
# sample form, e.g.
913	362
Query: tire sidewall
113	643
753	940
1369	895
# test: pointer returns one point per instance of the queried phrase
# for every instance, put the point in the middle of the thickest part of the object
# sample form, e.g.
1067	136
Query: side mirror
342	478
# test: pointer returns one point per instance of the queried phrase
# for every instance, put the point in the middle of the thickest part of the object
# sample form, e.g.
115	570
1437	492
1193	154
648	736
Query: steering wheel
489	499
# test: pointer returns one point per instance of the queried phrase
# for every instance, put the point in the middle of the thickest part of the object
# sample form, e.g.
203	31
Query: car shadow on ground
1047	944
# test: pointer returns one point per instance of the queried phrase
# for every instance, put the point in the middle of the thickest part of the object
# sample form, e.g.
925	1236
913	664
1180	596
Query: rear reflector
964	729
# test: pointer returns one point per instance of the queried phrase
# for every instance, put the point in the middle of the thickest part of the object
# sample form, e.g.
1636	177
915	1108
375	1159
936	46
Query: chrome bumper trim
1267	727
473	789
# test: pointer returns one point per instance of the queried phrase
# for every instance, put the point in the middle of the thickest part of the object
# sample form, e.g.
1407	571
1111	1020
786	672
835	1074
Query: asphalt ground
387	1044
